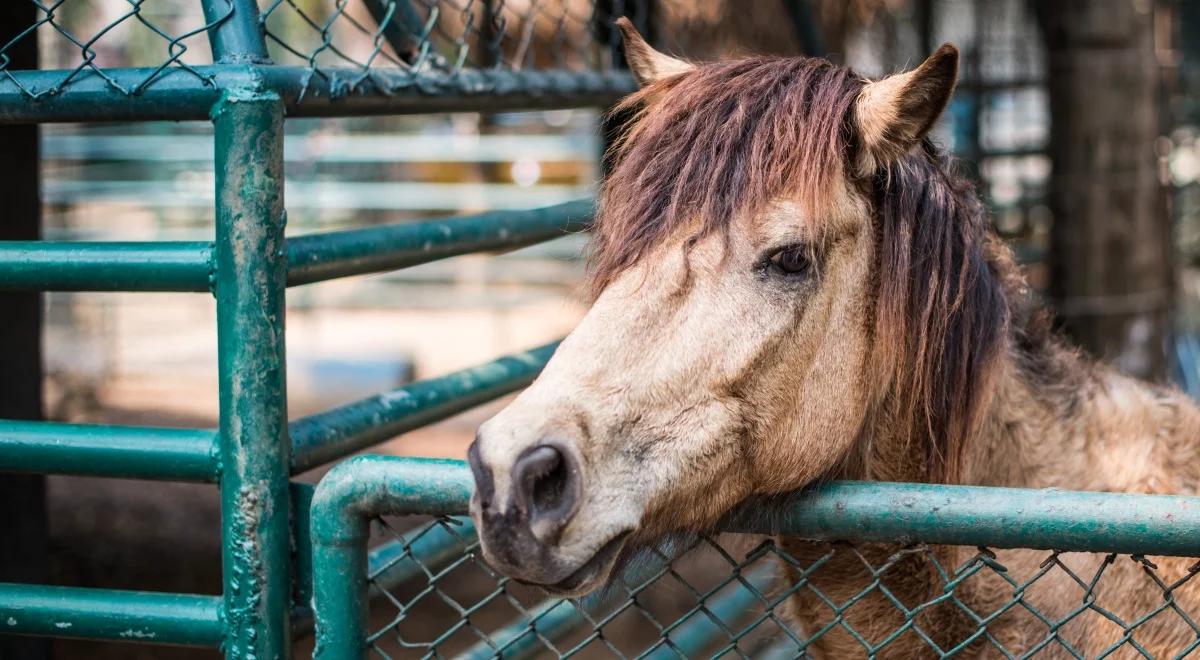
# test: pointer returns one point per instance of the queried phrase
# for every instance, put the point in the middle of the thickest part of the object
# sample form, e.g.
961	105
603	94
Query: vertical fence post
236	37
251	275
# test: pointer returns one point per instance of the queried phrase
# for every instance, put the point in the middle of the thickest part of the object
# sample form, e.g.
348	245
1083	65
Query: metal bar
1045	519
110	451
131	616
251	272
345	499
326	436
237	34
391	564
105	266
178	94
318	257
188	265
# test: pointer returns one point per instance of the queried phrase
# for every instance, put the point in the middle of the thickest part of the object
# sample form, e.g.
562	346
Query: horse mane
941	305
737	135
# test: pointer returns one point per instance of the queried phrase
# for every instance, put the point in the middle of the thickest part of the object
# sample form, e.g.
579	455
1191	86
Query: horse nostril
546	484
484	486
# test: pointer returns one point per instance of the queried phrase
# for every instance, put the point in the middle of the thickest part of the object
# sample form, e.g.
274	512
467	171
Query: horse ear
647	64
893	114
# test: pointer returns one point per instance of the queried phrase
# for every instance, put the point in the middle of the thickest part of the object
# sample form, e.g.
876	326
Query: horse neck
1057	419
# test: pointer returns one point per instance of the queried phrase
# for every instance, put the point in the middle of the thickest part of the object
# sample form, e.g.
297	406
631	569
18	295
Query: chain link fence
344	42
733	596
82	39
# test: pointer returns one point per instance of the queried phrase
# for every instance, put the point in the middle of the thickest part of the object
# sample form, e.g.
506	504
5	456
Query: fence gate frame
247	268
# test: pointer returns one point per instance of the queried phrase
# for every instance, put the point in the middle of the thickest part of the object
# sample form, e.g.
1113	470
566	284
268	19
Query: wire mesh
346	41
747	596
443	35
80	39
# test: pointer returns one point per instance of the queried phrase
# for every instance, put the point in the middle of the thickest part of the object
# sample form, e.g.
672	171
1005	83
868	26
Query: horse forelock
720	142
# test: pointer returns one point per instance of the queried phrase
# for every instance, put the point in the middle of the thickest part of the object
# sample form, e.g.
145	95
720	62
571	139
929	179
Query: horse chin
594	573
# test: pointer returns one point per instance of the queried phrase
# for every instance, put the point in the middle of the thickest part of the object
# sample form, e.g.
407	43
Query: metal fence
293	558
423	592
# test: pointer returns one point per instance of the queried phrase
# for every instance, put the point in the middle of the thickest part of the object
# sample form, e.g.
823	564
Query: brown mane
727	143
737	135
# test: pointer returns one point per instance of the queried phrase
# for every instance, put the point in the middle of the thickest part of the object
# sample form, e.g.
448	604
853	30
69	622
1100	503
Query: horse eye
791	260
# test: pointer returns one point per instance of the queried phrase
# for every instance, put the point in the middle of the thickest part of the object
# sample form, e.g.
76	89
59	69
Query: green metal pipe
251	273
236	34
174	93
345	499
318	257
1047	519
327	436
394	563
188	266
105	266
131	616
110	451
857	511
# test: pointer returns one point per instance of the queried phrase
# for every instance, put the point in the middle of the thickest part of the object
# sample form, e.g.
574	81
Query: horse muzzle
520	529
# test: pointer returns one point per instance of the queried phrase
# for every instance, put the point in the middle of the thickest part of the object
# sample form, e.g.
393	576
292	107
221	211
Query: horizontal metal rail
367	486
132	94
132	616
109	451
189	266
330	255
1041	519
327	436
105	266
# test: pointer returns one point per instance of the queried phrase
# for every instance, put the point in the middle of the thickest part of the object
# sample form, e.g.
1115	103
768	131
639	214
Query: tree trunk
1111	256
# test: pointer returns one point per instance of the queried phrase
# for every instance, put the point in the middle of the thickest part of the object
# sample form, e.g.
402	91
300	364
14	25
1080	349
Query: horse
791	284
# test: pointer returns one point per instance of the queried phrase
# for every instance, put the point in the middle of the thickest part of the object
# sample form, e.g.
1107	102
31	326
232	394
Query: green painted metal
251	271
110	451
189	266
399	561
391	564
1047	519
345	499
330	255
139	616
177	94
105	266
235	35
360	488
329	435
